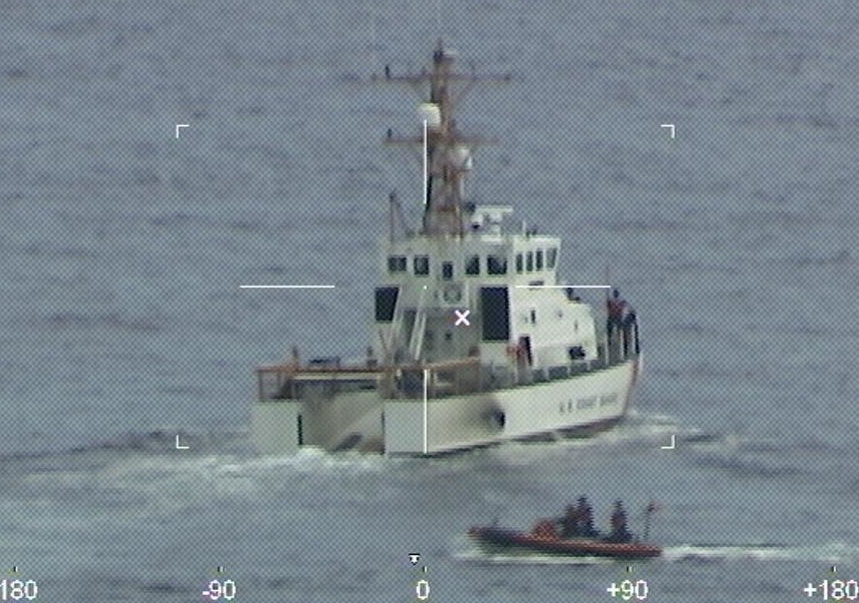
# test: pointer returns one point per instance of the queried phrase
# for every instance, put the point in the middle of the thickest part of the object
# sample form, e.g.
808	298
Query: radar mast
448	152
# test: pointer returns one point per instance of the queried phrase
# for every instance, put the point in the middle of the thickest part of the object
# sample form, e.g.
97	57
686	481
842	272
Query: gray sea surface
123	325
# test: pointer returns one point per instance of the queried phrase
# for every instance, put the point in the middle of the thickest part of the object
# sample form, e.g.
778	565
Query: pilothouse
475	341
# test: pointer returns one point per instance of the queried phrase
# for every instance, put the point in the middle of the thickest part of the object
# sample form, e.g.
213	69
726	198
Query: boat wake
478	556
835	552
830	553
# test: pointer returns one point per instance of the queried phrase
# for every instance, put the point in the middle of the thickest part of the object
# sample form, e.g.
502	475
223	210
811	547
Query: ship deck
291	381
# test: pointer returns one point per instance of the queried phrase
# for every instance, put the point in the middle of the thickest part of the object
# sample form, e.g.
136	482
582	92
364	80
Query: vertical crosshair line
426	404
426	168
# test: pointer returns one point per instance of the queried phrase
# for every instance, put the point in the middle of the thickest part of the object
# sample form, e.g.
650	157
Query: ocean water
123	325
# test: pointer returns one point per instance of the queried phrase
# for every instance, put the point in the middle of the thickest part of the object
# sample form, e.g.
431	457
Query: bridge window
539	259
421	264
496	264
529	261
495	313
472	265
447	270
551	257
518	263
396	263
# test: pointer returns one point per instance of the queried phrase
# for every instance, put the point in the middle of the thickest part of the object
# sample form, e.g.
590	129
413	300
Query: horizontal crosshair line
563	286
286	286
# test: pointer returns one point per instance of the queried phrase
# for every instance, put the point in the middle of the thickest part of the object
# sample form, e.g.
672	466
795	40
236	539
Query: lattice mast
448	152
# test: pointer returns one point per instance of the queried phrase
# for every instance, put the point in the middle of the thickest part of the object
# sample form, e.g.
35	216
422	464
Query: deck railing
294	381
288	381
441	379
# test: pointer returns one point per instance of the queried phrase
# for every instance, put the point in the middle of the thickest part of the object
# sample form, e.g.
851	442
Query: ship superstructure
475	341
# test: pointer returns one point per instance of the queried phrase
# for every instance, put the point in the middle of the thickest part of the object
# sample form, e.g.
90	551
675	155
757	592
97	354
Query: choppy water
123	324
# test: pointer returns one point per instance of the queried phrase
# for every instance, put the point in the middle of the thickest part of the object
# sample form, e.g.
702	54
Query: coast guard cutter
475	341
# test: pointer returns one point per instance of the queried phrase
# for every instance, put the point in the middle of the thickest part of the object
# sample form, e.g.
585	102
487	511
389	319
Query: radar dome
430	113
462	157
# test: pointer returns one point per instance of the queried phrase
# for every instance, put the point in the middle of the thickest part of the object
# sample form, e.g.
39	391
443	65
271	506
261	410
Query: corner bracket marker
669	126
181	126
670	446
178	447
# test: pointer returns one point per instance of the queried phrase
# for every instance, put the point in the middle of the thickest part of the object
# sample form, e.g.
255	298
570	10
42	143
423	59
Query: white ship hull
474	339
363	421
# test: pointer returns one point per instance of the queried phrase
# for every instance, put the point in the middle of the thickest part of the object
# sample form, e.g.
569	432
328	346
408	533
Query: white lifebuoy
452	294
516	351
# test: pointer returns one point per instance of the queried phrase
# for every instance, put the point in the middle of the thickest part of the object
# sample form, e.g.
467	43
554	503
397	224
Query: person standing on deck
619	532
615	308
630	330
570	522
586	519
